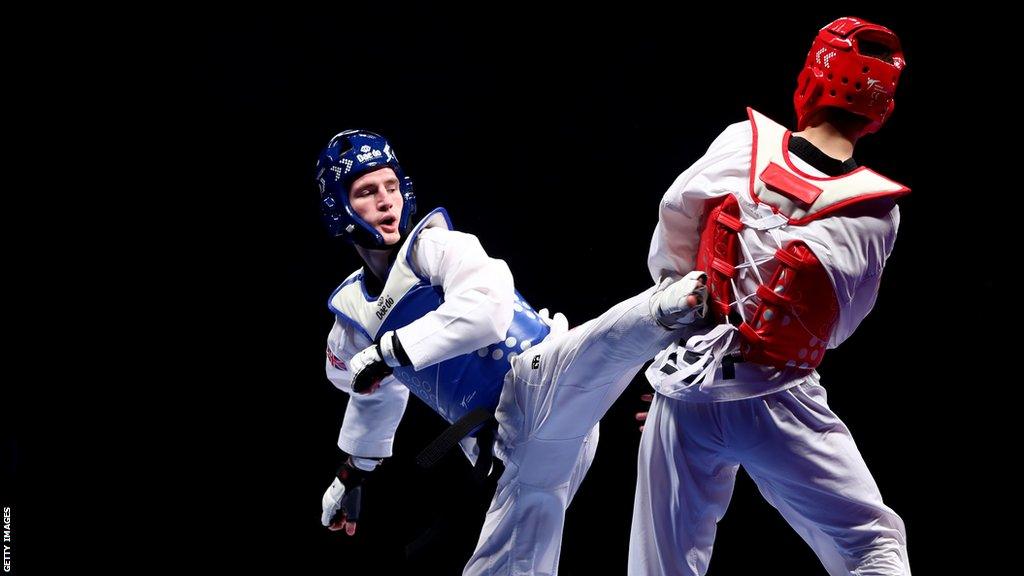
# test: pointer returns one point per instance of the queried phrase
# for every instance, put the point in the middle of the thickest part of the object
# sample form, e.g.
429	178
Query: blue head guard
348	156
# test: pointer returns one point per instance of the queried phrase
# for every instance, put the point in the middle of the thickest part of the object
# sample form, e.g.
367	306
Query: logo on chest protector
384	305
536	362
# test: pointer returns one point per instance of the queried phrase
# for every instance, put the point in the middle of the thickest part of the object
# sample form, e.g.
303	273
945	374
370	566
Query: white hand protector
368	369
332	501
679	303
559	324
341	501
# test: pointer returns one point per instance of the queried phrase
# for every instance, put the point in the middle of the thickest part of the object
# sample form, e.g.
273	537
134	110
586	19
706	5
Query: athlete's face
377	199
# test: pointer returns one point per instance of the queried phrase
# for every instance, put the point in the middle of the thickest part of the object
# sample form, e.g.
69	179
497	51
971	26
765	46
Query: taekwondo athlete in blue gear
432	313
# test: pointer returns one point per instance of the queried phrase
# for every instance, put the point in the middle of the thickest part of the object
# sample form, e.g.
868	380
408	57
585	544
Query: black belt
456	432
483	423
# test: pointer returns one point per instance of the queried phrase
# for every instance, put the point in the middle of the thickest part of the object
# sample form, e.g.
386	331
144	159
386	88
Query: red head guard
854	65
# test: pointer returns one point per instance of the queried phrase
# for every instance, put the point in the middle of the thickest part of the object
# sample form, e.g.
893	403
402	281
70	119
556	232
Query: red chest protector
796	309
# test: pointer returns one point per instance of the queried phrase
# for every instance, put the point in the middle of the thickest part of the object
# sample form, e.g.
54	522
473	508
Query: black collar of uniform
374	286
819	160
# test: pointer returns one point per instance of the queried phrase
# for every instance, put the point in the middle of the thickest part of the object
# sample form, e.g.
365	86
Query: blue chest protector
455	386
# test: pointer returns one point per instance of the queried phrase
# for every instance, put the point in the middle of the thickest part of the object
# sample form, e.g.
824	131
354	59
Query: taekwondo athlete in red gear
793	237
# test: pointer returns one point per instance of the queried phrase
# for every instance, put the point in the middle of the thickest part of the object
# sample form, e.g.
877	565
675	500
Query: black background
551	136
